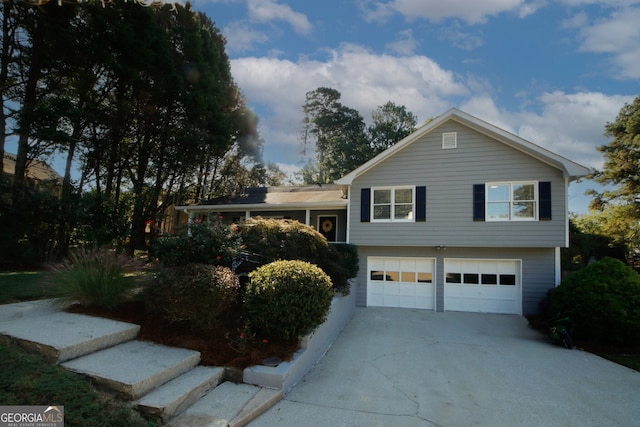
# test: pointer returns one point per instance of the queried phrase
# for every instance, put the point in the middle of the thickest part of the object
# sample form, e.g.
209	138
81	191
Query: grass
27	380
22	286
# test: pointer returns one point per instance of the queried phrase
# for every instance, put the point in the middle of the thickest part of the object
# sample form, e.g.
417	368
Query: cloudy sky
552	71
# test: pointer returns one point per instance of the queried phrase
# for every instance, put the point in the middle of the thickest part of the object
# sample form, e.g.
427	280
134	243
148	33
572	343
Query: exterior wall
449	176
538	269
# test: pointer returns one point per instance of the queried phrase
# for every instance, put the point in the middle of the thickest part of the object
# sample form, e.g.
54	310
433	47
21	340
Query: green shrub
286	299
291	240
603	299
94	277
196	293
207	242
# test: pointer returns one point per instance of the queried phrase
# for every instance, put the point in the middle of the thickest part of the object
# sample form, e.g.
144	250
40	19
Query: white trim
392	190
536	201
348	237
558	269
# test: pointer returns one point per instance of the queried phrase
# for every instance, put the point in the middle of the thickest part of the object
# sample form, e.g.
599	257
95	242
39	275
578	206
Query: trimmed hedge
603	300
291	240
287	299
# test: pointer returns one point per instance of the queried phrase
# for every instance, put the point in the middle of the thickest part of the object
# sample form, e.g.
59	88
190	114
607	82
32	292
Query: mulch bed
221	347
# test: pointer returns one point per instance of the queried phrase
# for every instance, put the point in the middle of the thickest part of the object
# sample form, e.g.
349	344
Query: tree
616	210
391	123
338	133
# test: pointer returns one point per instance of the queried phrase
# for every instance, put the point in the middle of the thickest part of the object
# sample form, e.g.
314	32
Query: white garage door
401	282
486	286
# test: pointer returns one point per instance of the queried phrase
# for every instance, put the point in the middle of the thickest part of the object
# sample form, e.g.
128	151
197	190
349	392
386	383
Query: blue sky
553	72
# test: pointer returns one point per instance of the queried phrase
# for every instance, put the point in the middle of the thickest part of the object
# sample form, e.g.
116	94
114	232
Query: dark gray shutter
478	202
421	204
544	205
365	203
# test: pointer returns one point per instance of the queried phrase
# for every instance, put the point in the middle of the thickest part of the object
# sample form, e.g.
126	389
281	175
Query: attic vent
449	140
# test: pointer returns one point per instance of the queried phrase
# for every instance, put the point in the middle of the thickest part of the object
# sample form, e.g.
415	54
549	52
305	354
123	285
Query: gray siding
449	176
538	269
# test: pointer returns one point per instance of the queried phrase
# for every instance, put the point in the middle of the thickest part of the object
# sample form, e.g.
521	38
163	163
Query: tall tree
617	208
391	123
337	132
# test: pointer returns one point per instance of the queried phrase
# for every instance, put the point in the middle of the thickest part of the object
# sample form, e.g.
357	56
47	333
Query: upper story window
393	204
512	201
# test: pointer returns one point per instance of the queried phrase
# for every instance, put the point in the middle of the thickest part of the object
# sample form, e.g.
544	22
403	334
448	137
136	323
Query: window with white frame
393	204
512	201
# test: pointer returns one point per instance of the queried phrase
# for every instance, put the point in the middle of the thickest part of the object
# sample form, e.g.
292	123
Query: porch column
308	218
247	214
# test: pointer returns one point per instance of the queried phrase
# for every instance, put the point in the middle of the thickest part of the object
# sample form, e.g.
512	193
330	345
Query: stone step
60	336
229	404
173	397
136	367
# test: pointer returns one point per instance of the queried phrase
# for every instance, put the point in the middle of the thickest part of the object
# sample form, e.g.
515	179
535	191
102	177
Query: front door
327	227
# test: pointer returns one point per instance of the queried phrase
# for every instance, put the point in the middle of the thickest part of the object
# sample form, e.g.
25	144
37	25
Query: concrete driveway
402	367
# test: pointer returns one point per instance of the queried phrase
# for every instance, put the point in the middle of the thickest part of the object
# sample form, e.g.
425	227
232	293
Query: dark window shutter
544	205
365	203
478	202
421	204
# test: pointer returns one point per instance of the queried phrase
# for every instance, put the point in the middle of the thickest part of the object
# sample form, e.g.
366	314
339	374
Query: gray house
460	216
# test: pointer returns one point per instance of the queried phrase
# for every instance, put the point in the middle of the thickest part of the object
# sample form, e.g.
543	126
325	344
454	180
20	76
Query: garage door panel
485	286
401	282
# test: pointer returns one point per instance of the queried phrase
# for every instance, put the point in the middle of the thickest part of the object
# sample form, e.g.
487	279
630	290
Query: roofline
262	207
570	169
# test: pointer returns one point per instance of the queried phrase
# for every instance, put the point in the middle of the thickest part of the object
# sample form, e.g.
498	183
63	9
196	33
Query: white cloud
406	44
271	10
617	35
242	38
472	12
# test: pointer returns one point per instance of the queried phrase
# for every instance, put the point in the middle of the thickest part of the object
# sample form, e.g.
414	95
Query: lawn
27	380
22	286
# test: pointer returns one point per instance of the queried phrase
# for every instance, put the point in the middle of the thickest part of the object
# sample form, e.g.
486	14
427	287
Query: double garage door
478	285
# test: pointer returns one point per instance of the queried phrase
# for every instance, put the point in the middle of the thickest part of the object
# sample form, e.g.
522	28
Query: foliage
603	300
391	123
102	221
25	380
94	277
286	299
587	241
617	208
205	242
338	132
291	240
196	293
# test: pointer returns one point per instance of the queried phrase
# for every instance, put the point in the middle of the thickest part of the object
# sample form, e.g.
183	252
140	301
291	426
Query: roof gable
569	168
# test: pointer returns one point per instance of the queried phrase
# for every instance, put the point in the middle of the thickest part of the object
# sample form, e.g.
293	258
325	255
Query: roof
325	196
569	168
35	168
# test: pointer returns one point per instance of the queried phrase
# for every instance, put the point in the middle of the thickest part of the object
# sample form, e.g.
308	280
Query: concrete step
60	336
229	404
134	368
173	397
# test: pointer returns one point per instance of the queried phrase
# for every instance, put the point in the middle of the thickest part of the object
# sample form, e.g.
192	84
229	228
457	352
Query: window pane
523	210
403	212
404	195
472	279
498	193
408	276
425	277
393	276
377	275
489	279
381	196
508	279
454	278
382	212
523	192
498	210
